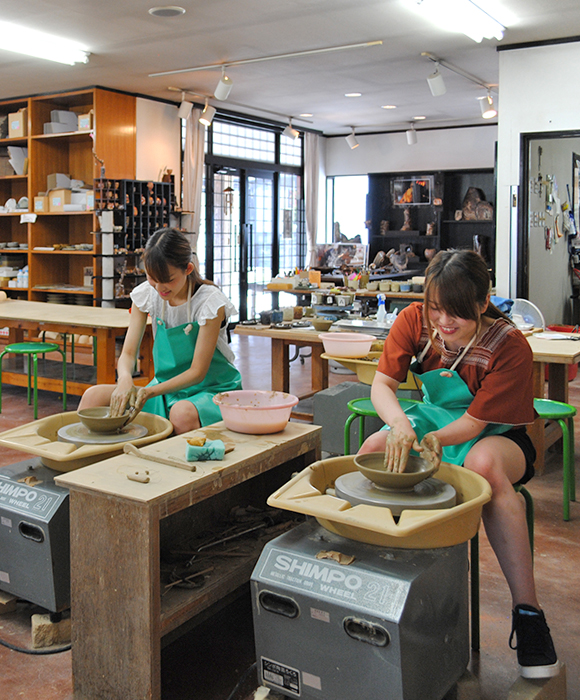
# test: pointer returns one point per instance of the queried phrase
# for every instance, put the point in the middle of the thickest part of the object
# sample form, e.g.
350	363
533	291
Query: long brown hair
170	247
458	282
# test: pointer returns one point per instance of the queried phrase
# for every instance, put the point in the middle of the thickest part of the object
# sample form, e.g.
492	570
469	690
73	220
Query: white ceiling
127	44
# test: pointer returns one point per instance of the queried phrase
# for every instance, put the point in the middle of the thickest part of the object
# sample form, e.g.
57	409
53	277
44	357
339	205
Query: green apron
172	354
446	397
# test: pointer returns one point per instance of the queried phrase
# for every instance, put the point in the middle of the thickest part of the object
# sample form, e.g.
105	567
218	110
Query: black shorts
522	439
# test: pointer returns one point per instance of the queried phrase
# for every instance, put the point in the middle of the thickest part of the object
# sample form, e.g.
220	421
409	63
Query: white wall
538	93
158	140
442	149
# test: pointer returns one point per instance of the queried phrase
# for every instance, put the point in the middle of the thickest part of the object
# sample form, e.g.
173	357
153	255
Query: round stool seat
362	407
27	348
553	410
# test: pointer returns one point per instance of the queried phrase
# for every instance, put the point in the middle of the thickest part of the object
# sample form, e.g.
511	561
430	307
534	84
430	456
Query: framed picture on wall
576	189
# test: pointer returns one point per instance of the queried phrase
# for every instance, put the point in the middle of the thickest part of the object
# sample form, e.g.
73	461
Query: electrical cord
244	676
35	652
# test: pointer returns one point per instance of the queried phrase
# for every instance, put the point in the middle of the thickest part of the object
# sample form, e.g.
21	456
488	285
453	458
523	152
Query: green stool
564	414
33	350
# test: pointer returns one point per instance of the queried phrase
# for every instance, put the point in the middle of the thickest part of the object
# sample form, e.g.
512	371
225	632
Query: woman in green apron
476	374
191	355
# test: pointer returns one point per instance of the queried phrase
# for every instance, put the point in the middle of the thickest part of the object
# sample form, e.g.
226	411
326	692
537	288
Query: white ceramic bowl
255	412
347	344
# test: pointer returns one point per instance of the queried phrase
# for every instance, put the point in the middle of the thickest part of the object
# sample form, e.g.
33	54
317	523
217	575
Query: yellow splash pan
415	529
41	438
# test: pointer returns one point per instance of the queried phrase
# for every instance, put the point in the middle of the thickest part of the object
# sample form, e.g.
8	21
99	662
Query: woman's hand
400	441
431	450
121	398
142	395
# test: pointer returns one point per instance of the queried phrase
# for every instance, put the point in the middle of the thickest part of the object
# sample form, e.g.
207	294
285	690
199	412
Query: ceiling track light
459	71
184	108
308	52
488	110
290	132
207	115
411	135
436	82
351	139
224	87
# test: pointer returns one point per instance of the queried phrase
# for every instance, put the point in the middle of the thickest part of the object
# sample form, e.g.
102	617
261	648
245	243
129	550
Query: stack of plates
55	298
82	299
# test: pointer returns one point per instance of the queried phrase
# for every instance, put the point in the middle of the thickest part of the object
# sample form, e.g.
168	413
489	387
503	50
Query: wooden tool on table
130	449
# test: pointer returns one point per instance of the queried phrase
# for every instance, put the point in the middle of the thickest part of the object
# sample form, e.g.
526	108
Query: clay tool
130	449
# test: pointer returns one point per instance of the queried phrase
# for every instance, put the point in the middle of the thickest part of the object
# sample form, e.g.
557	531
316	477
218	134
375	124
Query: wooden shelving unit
81	155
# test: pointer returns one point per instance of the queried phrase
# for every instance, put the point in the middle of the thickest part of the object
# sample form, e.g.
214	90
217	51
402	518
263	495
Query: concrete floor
207	663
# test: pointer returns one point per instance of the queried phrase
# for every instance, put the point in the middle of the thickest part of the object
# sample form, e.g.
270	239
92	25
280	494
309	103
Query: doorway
242	245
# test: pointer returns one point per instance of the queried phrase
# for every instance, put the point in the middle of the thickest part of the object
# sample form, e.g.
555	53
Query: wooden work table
119	611
282	339
103	324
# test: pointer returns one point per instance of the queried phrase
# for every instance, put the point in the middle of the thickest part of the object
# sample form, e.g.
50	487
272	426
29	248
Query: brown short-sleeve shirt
498	370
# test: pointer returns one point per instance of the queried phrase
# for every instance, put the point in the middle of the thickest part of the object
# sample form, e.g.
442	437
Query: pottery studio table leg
115	598
281	365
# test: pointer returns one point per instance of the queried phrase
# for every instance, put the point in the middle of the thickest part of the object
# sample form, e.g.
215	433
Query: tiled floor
206	663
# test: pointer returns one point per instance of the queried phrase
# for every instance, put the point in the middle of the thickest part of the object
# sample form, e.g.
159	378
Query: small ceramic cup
385	286
395	286
405	287
372	286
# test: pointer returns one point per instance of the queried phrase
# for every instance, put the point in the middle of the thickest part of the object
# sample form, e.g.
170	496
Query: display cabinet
61	245
428	204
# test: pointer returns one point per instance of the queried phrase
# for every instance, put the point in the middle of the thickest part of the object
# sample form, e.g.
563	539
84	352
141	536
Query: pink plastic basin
255	412
347	344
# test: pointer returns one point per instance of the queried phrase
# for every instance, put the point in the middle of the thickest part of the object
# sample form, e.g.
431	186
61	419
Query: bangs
156	264
455	297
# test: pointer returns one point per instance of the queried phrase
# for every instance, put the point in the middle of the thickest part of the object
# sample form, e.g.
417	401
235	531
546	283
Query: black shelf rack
140	207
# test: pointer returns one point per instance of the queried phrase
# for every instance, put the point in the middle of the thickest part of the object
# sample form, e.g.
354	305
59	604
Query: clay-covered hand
141	398
397	447
121	399
431	449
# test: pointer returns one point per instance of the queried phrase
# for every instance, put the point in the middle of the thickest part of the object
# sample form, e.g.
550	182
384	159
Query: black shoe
536	654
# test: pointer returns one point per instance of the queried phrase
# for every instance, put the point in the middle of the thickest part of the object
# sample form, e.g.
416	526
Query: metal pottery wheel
430	494
79	435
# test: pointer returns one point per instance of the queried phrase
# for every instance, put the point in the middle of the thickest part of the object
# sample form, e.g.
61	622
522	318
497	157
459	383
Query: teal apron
446	397
173	351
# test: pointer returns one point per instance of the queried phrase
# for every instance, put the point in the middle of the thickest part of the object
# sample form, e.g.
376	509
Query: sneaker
536	654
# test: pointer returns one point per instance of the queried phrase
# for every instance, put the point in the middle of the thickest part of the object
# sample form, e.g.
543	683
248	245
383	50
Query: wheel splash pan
41	438
415	529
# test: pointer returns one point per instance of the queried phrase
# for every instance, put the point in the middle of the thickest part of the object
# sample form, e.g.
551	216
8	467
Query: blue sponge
213	449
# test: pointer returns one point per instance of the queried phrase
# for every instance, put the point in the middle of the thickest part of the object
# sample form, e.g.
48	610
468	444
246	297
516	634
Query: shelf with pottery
82	154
